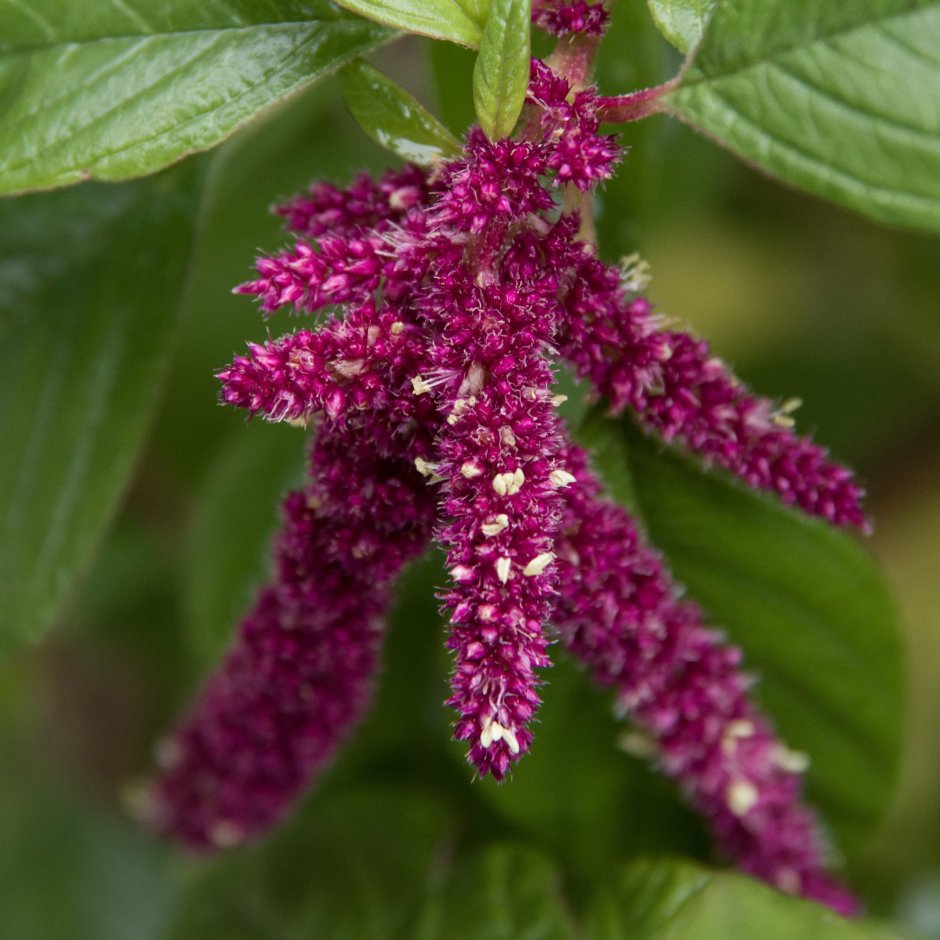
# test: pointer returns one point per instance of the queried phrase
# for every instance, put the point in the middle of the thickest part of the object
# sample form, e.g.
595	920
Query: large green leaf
501	73
87	316
807	605
674	900
355	866
837	98
459	21
393	118
682	22
504	893
110	89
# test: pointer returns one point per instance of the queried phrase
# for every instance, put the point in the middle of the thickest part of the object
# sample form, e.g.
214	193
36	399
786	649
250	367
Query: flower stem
619	109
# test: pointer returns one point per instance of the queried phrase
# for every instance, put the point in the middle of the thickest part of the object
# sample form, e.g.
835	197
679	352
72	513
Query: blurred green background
804	299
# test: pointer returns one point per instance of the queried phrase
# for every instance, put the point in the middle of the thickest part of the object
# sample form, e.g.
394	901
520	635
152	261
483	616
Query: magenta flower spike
300	674
619	614
444	299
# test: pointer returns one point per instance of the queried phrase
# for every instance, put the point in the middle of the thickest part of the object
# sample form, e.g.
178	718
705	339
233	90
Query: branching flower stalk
428	389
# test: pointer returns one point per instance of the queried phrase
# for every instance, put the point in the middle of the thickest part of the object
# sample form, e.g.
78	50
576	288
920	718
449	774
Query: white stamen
397	328
424	468
499	523
461	573
794	762
741	796
638	744
486	733
502	569
538	564
559	400
508	484
634	273
460	406
507	436
373	333
225	834
419	386
509	736
300	422
739	728
561	478
470	470
401	198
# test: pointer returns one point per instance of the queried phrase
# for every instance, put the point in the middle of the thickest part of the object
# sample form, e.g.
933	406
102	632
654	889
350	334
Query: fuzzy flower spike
428	388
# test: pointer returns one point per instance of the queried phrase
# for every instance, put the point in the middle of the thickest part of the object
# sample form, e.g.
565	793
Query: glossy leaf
838	99
506	893
393	118
83	349
682	22
656	900
501	73
459	21
803	601
110	89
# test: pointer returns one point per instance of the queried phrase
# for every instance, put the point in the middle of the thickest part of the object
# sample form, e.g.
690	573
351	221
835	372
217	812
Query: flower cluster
430	390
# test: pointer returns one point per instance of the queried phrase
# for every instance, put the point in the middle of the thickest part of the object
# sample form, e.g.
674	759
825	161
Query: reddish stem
619	109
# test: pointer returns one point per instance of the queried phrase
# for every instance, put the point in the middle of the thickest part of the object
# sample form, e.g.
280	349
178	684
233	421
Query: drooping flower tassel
299	676
683	686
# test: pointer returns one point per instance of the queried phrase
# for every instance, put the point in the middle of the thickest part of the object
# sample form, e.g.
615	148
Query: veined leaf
459	21
504	893
678	900
682	22
393	118
501	73
840	99
803	601
85	332
112	89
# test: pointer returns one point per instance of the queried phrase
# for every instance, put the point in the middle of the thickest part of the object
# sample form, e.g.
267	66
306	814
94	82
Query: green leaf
459	21
682	22
661	899
393	118
501	73
355	865
807	605
836	98
623	808
86	320
505	893
110	90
